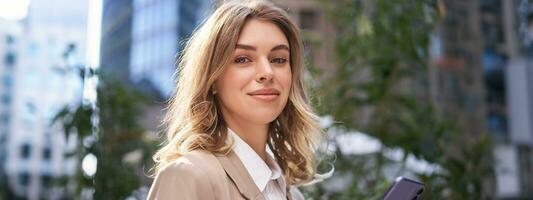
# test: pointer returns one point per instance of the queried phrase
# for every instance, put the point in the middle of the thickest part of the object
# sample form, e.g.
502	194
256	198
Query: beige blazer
203	175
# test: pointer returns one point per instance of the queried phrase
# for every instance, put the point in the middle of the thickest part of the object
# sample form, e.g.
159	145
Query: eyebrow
252	48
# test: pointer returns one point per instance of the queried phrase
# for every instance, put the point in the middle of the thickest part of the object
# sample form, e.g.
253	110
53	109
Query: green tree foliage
120	109
381	86
118	134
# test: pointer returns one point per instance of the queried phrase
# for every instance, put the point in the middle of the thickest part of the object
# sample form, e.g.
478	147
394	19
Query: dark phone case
404	189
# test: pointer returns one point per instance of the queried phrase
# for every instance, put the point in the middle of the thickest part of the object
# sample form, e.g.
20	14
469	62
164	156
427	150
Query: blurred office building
318	33
39	71
518	80
9	51
483	75
141	39
140	42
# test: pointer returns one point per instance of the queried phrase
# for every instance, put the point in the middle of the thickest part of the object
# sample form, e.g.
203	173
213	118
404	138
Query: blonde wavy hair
194	121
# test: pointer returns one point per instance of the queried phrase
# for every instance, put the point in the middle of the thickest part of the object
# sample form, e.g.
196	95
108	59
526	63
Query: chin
264	119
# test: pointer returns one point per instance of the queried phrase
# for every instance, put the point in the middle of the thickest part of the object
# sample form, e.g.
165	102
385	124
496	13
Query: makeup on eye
279	60
276	60
241	59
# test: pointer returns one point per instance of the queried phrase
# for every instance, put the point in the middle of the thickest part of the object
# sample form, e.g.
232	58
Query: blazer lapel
239	175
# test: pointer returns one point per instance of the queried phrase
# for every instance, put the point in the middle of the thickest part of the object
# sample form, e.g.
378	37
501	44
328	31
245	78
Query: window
32	109
307	19
3	140
46	180
497	124
7	81
25	151
5	118
6	99
24	179
10	39
10	59
47	153
3	157
525	159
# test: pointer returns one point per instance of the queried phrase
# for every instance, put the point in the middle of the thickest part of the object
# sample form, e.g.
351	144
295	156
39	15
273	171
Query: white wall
519	87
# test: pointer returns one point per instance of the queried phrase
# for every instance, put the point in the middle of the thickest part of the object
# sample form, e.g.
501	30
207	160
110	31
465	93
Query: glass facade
494	60
116	38
141	40
158	30
507	75
154	43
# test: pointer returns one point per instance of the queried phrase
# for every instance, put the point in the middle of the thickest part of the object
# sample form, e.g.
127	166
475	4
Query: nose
264	72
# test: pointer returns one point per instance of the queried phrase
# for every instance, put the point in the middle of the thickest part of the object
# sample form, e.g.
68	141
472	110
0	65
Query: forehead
261	33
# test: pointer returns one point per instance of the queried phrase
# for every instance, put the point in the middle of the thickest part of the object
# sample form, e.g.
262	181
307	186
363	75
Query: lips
266	95
266	91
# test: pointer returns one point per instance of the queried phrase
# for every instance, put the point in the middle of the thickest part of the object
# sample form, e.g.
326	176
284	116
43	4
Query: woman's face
256	83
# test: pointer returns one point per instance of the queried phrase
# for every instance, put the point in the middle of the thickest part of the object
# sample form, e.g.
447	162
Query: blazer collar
239	175
261	171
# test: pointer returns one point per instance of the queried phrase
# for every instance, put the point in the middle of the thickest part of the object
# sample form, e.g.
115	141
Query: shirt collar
260	171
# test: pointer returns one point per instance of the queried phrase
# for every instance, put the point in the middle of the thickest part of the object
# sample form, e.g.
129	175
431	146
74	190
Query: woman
239	124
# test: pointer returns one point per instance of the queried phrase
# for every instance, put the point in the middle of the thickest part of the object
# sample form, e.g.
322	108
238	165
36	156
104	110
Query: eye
241	59
279	60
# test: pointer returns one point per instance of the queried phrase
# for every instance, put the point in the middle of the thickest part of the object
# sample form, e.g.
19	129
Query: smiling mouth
265	97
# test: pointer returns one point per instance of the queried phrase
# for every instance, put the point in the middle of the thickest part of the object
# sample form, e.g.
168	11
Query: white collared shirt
267	176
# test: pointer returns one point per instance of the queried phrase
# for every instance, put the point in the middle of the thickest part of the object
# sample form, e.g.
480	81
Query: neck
254	135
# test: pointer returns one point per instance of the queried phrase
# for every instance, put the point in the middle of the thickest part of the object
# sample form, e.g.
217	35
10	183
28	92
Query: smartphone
404	189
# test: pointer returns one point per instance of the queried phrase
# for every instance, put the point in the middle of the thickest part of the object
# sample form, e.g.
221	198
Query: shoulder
195	164
198	158
190	174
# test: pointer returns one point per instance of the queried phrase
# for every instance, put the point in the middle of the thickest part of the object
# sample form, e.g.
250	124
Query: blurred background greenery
435	90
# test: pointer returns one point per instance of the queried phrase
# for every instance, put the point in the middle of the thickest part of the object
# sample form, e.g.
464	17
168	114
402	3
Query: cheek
231	81
286	79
